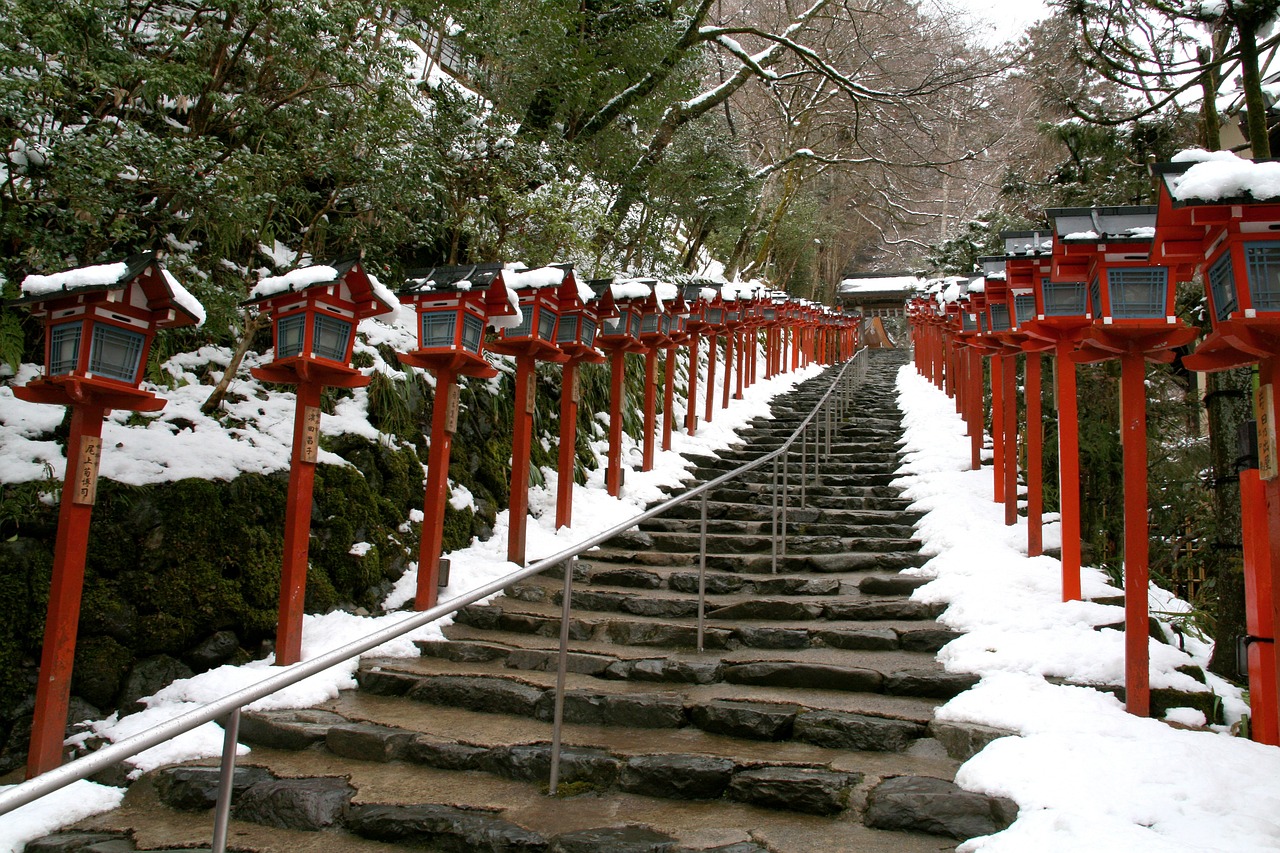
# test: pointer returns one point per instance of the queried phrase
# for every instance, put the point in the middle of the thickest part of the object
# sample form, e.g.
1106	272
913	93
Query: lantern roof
992	266
162	293
1198	177
445	278
370	296
1127	224
1027	243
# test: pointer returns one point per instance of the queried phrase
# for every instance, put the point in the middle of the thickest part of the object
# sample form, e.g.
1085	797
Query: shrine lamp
1110	249
99	323
314	312
453	304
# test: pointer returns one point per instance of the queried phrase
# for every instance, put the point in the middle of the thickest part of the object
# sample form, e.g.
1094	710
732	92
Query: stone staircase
805	725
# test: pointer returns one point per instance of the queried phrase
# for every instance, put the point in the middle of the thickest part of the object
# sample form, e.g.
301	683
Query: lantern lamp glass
999	317
525	329
649	324
289	334
330	337
633	323
472	332
567	330
1024	308
1064	298
546	324
715	316
64	347
1138	292
771	314
438	329
1095	298
1262	260
116	353
968	322
588	331
1222	286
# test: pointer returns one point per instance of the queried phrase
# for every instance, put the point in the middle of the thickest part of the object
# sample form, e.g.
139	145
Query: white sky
997	20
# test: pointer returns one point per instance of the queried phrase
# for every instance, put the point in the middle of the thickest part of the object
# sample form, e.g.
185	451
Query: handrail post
562	667
786	461
774	527
804	464
226	781
702	572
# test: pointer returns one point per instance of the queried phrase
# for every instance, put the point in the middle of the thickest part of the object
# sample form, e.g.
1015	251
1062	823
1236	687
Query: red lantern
99	322
453	305
314	311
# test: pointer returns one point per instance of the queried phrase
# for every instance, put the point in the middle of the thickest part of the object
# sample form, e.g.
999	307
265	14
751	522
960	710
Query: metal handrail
230	705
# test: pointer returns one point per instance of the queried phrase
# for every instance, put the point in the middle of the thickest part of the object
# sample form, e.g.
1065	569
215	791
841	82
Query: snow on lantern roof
631	288
882	284
299	279
978	285
98	277
520	277
1196	175
1134	223
363	286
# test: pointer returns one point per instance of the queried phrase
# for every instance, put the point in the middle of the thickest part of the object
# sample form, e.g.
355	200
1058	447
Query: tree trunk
1255	103
251	324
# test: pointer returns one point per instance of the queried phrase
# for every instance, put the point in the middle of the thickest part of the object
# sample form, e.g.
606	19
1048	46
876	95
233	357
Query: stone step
821	622
866	527
763	564
592	578
858	539
872	634
392	798
862	511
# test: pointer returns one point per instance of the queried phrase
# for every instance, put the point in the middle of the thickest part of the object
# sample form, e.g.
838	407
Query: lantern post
714	324
675	320
99	323
1134	321
657	322
580	316
453	305
697	296
531	341
1062	316
733	331
314	311
618	336
1222	216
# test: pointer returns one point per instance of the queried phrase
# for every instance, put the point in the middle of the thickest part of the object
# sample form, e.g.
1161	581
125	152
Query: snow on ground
164	451
1086	774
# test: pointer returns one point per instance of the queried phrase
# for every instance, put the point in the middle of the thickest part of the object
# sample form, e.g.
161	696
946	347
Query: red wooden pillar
565	463
1035	457
613	471
713	342
977	406
1133	436
691	402
521	447
650	407
1009	373
668	396
1068	469
1259	618
1269	376
728	369
297	523
443	422
740	343
997	426
53	690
